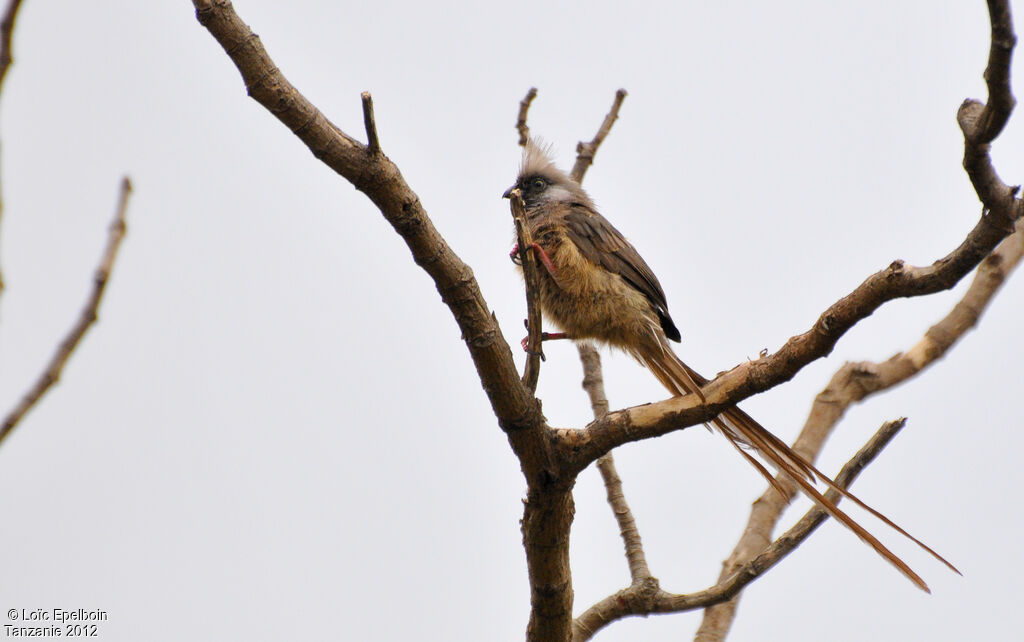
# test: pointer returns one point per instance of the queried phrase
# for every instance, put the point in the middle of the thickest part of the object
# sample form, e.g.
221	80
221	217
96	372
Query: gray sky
275	431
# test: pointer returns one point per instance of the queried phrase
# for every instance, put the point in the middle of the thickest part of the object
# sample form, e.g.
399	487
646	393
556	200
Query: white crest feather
537	161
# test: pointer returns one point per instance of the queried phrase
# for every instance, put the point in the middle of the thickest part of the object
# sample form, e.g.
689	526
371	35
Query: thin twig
643	585
370	122
524	107
593	382
534	321
638	569
625	603
585	151
88	316
531	275
6	58
6	35
593	378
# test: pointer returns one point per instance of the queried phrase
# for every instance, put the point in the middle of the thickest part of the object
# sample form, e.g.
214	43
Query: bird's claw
514	255
545	260
525	343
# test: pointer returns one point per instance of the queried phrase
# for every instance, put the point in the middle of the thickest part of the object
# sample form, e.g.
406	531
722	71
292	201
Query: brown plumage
603	290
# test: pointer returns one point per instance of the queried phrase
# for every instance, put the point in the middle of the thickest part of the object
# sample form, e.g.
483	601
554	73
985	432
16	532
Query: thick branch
88	315
548	516
896	281
376	176
1002	210
547	520
856	381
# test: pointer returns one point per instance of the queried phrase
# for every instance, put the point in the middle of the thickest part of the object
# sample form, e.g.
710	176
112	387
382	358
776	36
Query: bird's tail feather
743	432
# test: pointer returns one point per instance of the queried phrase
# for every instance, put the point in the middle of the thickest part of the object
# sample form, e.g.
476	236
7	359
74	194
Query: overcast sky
275	432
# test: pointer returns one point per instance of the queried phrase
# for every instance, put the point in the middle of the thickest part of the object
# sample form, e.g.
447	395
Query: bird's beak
508	192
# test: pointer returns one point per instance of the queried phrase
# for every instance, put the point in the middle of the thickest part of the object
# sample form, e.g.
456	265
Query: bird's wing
602	244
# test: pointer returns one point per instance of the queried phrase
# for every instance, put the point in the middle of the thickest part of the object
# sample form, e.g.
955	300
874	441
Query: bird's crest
537	162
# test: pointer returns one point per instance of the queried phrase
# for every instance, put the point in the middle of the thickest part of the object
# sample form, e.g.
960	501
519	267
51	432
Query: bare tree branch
376	176
534	322
524	107
534	345
6	58
592	377
88	316
746	379
982	122
585	151
6	35
1002	210
370	123
626	602
551	459
644	587
852	383
1001	102
593	382
547	512
638	569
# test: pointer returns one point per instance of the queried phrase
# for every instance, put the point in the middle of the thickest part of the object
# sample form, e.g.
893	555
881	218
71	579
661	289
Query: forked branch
550	460
852	383
585	151
626	603
1001	211
376	176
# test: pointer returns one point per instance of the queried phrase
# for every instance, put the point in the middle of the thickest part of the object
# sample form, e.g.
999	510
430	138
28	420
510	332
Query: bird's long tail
743	432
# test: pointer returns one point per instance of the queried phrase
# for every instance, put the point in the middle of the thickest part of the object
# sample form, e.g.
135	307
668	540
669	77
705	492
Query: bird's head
541	183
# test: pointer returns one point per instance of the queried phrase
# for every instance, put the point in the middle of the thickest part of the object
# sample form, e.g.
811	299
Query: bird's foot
544	336
541	254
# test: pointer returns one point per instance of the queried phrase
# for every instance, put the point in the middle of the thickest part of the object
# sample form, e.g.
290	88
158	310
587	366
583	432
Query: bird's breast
584	299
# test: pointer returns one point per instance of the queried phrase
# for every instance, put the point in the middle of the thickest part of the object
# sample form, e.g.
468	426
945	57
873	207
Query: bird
596	287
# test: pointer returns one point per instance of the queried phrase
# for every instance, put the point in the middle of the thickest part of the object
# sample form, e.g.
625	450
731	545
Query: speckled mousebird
596	286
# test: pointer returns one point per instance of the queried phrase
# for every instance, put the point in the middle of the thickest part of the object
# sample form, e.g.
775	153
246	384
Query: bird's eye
538	183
